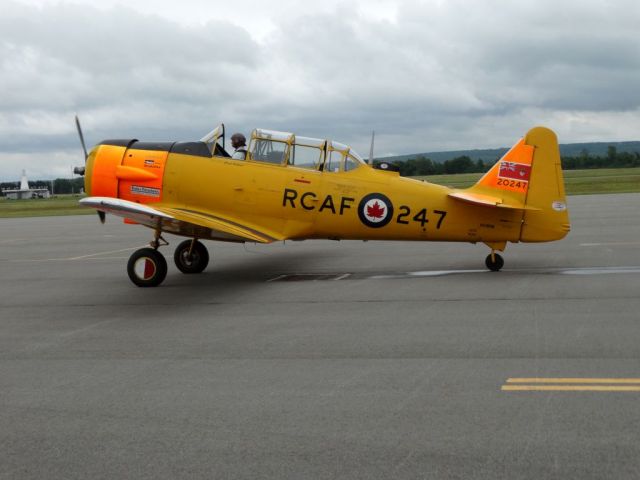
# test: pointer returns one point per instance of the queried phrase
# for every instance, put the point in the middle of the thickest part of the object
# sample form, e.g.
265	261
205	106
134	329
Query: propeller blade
84	147
102	216
373	136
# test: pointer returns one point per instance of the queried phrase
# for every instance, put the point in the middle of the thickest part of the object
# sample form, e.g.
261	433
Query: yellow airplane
295	188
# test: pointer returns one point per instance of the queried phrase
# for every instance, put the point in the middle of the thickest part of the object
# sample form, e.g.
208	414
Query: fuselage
363	203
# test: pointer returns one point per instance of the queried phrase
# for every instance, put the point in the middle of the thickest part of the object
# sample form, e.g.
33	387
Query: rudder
549	218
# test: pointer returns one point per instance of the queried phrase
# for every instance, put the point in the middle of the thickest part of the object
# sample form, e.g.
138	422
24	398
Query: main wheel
494	264
195	262
147	267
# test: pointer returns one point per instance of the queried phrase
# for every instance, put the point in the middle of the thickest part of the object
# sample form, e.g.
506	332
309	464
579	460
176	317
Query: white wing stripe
124	206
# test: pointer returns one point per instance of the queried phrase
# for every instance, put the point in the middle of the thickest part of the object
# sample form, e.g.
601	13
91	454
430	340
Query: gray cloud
438	75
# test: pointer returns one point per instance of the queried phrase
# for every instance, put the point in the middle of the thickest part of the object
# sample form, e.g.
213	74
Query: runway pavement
397	360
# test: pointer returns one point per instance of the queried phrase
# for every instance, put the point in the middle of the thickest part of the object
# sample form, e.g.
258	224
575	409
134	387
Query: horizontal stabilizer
488	201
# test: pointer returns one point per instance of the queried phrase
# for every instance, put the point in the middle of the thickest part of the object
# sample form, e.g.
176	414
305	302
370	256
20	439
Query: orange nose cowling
128	173
104	182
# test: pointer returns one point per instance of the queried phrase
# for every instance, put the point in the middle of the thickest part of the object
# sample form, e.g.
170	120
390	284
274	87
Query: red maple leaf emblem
375	211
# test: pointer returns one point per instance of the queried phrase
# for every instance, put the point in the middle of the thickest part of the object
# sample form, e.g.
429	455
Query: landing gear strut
191	256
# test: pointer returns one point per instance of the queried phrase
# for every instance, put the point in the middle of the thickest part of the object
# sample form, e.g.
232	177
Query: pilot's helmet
239	139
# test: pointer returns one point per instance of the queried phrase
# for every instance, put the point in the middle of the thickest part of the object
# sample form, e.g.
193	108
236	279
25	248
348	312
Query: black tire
194	263
147	267
494	265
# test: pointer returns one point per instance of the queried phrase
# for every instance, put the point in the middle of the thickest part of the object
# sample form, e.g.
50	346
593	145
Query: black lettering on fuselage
308	201
343	204
302	198
289	195
328	203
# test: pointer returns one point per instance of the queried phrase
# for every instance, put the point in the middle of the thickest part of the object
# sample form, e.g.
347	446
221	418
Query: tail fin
528	178
546	190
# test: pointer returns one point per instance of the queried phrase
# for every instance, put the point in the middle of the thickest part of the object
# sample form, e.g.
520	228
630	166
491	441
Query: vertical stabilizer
550	219
528	177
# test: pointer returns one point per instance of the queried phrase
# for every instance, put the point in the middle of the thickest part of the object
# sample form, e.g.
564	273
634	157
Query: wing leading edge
180	221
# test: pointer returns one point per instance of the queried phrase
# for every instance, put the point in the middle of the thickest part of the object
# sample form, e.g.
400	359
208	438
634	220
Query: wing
180	221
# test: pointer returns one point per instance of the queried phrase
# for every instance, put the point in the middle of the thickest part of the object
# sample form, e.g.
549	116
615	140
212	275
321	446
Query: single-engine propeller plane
294	187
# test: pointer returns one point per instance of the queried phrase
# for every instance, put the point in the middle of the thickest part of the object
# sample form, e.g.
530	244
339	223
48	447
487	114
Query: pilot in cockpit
239	142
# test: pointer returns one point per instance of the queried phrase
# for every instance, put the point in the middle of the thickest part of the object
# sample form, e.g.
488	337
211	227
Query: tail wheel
191	259
147	267
494	262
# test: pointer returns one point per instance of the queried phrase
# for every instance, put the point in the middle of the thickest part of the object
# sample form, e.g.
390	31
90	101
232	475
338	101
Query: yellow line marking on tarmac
81	257
573	380
105	253
572	388
566	384
11	240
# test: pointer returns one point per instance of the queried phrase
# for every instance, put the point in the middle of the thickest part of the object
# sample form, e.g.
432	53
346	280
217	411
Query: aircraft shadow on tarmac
287	267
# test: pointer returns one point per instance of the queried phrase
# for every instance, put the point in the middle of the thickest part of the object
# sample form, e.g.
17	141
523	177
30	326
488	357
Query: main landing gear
494	261
147	267
191	256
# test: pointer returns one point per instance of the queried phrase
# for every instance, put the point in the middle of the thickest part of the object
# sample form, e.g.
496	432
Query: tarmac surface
393	362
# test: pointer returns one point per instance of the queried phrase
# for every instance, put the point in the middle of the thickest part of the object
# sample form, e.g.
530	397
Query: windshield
341	157
211	138
354	154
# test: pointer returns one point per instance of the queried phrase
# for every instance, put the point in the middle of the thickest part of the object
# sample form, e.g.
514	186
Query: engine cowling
127	169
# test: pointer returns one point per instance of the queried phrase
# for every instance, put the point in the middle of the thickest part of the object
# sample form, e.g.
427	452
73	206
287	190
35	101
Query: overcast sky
425	75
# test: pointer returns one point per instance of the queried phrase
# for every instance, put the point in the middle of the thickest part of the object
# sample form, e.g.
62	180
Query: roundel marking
375	210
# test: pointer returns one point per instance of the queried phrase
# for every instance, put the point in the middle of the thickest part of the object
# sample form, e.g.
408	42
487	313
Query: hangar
24	192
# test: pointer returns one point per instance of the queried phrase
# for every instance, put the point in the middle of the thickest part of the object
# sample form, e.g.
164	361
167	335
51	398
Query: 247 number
404	214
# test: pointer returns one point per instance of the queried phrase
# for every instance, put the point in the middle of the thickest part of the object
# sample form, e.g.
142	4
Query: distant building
24	192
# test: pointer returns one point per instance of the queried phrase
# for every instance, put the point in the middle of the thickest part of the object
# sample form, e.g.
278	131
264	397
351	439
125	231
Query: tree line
464	164
613	159
425	166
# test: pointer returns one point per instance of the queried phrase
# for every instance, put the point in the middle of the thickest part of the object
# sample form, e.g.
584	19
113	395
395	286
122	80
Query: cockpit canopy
283	148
